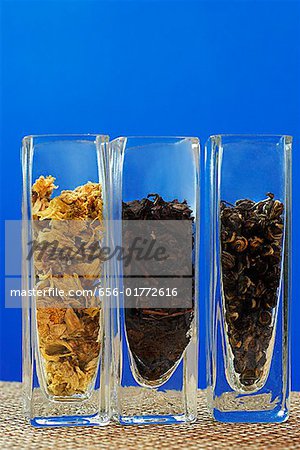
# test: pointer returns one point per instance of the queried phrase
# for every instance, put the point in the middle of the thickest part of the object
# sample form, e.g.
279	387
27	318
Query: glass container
155	317
248	201
65	324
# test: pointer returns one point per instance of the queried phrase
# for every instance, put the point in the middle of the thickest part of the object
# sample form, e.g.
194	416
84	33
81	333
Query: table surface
16	433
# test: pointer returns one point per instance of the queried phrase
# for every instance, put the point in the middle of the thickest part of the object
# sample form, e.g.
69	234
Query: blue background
145	68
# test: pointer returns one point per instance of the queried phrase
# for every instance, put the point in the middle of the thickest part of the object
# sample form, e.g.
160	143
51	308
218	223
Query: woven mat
16	434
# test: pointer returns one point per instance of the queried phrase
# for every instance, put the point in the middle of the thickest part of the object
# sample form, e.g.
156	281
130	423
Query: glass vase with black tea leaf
155	328
65	331
248	200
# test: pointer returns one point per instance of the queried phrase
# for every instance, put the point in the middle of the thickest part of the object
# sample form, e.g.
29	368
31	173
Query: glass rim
65	136
162	138
251	136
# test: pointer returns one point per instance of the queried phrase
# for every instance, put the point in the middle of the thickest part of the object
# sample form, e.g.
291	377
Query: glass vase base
44	412
156	419
251	417
259	408
69	421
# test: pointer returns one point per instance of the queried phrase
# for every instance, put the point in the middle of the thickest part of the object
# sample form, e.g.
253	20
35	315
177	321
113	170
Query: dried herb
157	337
251	245
68	327
69	344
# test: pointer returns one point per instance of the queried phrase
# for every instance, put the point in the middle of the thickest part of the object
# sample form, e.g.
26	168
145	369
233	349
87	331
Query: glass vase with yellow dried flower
64	326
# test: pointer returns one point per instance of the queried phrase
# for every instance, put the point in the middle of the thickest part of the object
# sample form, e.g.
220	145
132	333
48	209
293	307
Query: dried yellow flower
41	193
68	326
84	202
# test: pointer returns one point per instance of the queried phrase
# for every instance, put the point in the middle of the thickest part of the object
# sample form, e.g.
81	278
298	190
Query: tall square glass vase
155	317
65	319
248	201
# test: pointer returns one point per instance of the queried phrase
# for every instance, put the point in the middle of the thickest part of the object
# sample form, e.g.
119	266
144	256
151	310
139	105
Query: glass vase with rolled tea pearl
249	207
